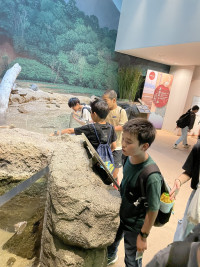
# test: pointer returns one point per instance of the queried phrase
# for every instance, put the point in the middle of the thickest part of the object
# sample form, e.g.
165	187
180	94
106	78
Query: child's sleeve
83	129
123	117
154	184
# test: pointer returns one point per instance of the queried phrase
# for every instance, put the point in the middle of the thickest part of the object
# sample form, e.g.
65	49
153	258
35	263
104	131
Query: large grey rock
82	214
81	211
56	253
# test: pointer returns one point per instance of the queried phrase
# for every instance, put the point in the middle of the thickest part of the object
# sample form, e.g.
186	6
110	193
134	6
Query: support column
178	95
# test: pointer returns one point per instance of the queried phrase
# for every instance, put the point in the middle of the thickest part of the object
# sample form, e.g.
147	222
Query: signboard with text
156	94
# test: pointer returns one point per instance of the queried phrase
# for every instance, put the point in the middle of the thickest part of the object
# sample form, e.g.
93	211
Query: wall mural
65	42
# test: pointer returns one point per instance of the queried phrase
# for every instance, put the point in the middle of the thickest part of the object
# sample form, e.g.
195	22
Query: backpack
138	194
85	107
184	120
105	152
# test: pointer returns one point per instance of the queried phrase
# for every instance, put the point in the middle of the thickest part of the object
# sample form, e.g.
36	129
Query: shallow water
22	207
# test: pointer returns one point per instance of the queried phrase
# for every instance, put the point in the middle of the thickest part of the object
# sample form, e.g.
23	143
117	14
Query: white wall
194	91
180	90
146	23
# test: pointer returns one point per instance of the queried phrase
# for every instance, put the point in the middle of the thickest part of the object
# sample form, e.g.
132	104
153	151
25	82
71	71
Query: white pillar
178	95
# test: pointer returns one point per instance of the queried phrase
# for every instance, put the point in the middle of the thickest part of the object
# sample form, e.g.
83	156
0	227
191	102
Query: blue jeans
184	227
183	137
130	247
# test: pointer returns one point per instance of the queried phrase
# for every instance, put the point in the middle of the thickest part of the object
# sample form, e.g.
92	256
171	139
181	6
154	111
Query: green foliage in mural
63	40
129	81
33	70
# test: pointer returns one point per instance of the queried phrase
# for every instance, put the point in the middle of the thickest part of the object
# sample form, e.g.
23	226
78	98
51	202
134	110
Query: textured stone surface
81	217
22	153
81	212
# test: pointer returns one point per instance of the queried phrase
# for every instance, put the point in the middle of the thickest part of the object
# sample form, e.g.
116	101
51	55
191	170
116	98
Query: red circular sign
152	75
161	96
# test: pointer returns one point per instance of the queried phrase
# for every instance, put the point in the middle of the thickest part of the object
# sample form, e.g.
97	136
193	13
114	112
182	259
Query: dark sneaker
186	146
175	146
112	260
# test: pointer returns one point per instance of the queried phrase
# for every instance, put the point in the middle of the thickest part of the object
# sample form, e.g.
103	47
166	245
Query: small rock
34	87
10	261
57	105
22	110
48	106
12	126
14	91
19	227
23	94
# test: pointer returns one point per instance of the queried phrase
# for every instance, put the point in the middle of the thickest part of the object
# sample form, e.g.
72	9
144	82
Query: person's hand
175	189
56	133
141	243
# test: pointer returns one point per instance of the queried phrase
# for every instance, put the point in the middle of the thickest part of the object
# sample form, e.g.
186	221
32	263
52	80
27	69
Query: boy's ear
145	146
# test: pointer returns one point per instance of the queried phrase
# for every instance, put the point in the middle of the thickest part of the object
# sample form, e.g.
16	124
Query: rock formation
81	217
82	213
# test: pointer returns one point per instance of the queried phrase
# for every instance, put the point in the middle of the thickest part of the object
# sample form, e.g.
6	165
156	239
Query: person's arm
118	128
68	131
113	146
122	121
149	220
183	178
77	118
192	120
153	192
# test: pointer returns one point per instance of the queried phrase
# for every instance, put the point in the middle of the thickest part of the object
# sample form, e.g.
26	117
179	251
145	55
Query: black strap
143	176
108	143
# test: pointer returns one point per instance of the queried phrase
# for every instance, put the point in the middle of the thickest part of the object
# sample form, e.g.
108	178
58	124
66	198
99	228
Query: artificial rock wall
81	217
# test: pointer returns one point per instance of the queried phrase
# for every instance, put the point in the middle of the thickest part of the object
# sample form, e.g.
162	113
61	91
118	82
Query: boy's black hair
73	101
195	107
142	128
100	107
111	94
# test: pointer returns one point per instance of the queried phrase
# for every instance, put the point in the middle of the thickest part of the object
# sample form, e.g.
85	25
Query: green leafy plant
33	70
129	81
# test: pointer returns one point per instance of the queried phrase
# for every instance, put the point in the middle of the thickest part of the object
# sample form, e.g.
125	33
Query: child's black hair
195	107
142	129
100	107
73	101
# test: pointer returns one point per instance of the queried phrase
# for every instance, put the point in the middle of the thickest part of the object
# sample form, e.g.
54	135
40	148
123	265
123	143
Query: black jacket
192	119
192	165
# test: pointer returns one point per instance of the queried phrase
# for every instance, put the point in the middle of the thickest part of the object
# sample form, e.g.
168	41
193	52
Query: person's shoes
186	146
112	260
175	146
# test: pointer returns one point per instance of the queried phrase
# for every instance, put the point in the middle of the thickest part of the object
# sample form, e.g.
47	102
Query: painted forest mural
57	42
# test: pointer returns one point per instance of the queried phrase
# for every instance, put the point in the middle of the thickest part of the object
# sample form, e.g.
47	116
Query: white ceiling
187	54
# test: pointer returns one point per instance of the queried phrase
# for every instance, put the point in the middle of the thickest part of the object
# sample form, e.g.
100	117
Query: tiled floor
170	162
